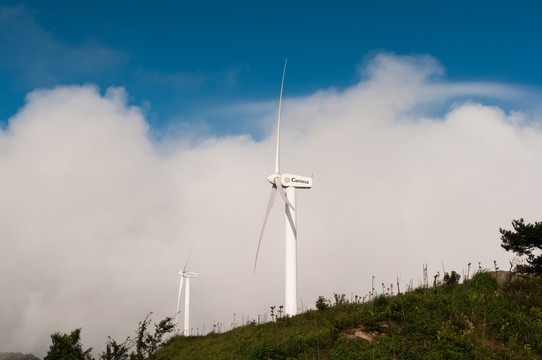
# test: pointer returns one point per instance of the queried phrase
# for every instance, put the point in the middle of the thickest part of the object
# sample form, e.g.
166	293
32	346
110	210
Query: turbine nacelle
290	180
188	274
297	181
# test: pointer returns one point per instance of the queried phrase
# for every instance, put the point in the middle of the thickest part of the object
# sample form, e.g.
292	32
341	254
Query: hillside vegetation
473	320
17	356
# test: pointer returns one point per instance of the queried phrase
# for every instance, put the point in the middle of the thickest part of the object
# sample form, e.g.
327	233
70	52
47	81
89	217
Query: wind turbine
185	275
286	184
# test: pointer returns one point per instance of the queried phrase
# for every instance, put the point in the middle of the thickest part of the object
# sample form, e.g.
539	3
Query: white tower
185	275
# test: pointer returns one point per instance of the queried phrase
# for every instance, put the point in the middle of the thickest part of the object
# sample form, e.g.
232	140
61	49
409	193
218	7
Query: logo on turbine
287	179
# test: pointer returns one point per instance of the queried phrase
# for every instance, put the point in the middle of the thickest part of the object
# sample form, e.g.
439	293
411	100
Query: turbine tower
286	184
185	275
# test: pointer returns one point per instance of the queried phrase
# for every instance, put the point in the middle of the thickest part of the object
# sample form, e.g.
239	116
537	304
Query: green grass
473	320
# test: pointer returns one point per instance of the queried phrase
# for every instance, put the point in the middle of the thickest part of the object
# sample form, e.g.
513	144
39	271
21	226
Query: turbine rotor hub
273	179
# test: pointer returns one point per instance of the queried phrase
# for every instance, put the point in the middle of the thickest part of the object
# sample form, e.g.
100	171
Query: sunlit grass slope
473	320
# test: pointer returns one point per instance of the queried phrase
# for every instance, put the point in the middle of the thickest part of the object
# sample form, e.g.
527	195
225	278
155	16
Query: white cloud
95	221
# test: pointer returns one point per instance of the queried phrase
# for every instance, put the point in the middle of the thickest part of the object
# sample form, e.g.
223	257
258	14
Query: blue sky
191	61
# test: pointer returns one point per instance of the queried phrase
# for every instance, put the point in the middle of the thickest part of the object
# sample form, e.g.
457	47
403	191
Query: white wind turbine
290	183
185	275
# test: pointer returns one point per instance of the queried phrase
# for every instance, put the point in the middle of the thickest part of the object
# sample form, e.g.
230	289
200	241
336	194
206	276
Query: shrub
322	303
451	279
68	347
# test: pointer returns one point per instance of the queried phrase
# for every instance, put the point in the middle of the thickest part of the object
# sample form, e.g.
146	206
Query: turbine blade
179	297
277	156
189	254
270	203
283	194
291	221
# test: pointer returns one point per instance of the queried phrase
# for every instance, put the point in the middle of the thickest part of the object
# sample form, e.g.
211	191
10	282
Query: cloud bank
95	218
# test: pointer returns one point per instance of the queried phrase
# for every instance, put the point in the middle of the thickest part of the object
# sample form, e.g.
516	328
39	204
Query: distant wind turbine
185	275
290	183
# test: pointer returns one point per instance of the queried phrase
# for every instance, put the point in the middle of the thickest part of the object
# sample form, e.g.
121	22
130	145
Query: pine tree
526	241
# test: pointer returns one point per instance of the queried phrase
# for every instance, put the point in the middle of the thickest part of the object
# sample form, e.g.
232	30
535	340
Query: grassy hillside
473	320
